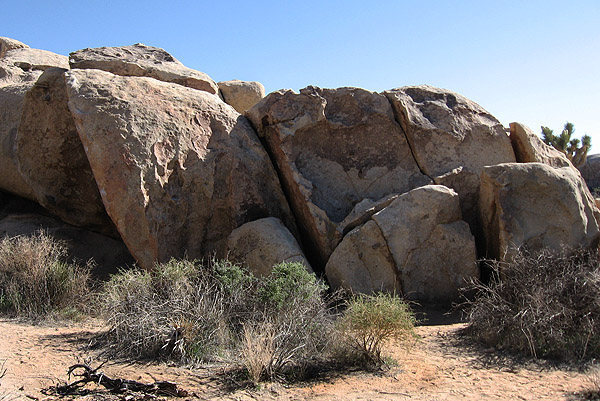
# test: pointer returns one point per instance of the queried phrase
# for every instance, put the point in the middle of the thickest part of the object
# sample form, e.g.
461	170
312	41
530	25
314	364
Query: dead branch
119	386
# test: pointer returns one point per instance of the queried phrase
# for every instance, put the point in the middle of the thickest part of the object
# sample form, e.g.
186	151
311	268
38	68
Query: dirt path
438	367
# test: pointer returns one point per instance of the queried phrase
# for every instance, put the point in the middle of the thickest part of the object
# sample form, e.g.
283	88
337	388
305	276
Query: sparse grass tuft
543	305
35	280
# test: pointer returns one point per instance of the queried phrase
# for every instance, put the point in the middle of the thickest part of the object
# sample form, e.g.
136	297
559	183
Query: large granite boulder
23	64
263	243
140	60
241	95
52	160
333	149
446	132
7	44
418	244
177	168
534	205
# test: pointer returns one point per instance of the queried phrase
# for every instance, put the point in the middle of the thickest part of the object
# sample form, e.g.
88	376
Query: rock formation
241	95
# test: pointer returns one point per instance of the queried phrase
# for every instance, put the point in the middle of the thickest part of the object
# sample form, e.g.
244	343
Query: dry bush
35	280
372	320
257	350
544	305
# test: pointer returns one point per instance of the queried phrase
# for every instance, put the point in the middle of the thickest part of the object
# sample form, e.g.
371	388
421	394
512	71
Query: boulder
177	168
108	254
140	60
25	64
591	172
447	131
263	243
11	108
417	245
52	160
534	205
529	148
241	95
362	263
333	148
7	44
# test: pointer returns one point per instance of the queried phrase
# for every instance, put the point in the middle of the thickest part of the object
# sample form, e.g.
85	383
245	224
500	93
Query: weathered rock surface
529	148
263	243
25	64
52	160
417	245
534	205
447	131
140	60
334	148
7	44
591	172
11	108
177	168
241	95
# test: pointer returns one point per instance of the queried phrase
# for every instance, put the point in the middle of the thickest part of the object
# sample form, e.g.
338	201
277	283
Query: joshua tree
570	147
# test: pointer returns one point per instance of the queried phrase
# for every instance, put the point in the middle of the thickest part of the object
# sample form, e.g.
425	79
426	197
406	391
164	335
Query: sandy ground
438	367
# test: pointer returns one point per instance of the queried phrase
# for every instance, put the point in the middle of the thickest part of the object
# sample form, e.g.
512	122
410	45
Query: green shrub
35	280
543	305
371	320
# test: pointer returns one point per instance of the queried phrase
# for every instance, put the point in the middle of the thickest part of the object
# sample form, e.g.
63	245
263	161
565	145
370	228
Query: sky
535	62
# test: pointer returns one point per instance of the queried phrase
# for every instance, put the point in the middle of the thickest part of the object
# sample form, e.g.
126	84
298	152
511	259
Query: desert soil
440	366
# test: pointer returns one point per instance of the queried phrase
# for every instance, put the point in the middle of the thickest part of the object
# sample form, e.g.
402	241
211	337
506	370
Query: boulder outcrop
529	148
591	172
535	206
140	60
333	148
177	168
7	44
418	244
241	95
52	160
263	243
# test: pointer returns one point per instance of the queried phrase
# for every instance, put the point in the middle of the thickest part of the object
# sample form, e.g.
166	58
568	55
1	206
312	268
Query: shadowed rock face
52	160
142	61
591	172
536	206
177	168
334	148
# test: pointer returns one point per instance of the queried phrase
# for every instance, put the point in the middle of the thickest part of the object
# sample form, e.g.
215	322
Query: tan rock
177	168
26	64
447	131
362	263
529	148
140	60
433	249
334	148
263	243
52	160
536	206
7	44
241	95
11	108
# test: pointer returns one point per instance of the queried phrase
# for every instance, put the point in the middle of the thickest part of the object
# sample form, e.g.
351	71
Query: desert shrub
544	305
369	321
192	312
36	281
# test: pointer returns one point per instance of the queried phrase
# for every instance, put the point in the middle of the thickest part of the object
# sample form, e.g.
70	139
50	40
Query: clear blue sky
532	61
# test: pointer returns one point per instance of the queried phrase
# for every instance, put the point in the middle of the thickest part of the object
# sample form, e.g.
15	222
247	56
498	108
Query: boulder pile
401	191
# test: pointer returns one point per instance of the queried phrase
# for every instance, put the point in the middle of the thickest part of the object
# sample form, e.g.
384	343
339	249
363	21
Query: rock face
7	44
417	244
241	95
334	148
177	168
447	131
52	160
529	148
263	243
142	61
25	64
591	171
535	205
